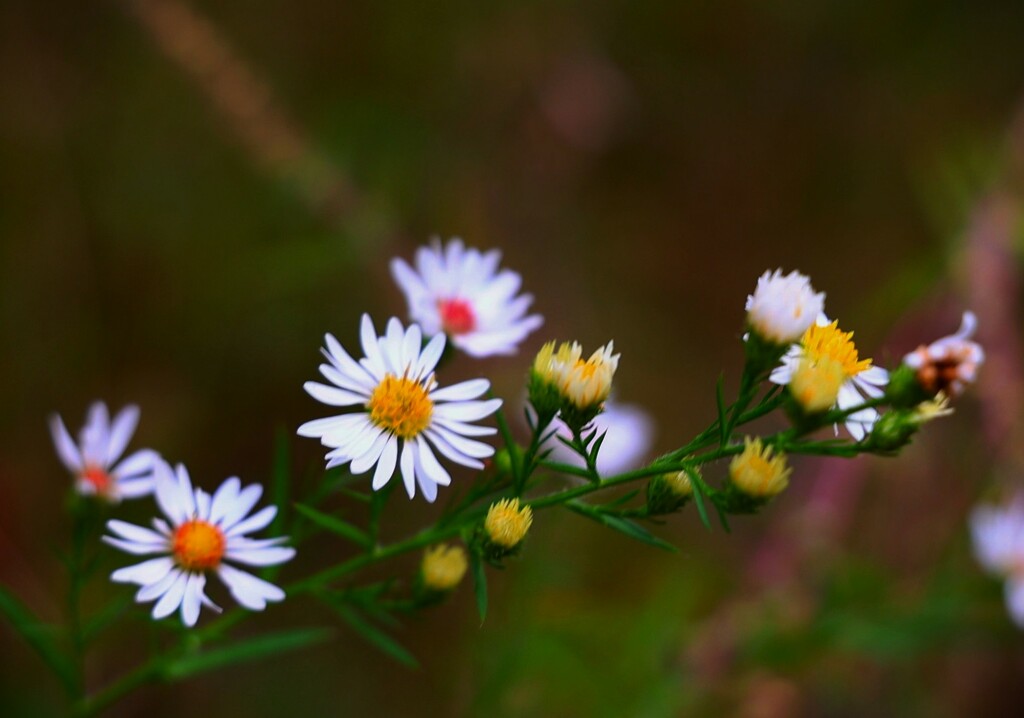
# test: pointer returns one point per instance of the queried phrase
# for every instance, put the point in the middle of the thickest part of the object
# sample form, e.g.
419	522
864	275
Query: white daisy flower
401	413
630	433
201	534
998	537
951	363
96	460
462	293
831	353
783	307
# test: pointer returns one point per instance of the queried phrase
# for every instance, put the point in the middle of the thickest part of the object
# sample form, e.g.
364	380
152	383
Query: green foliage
41	637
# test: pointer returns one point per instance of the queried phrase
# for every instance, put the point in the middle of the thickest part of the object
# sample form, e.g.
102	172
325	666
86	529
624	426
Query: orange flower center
401	406
100	479
456	316
198	545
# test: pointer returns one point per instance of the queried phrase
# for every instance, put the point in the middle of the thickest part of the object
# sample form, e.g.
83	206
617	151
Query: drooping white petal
386	463
430	466
159	588
445	448
192	600
409	467
251	592
171	600
362	463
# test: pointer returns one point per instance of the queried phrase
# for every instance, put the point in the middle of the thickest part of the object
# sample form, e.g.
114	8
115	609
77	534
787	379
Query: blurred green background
192	193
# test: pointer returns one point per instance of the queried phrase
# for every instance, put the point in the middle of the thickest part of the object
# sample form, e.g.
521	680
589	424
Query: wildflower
825	367
628	433
783	307
998	537
403	412
460	292
948	364
506	523
96	459
896	427
586	384
756	473
200	535
668	492
443	567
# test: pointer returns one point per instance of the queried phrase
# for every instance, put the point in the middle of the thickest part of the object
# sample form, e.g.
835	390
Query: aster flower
629	433
201	533
401	414
96	459
460	291
757	473
951	363
825	364
782	307
998	537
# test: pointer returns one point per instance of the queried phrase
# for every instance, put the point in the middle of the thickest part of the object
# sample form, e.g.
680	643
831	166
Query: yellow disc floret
401	406
443	567
828	342
757	473
816	383
198	545
506	523
585	384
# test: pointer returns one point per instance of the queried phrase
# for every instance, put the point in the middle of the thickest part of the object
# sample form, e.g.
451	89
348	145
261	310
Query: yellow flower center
756	472
401	406
815	384
198	545
443	567
506	524
828	342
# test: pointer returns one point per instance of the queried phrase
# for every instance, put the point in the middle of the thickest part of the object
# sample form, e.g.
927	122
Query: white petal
202	505
467	410
66	448
145	573
331	395
148	593
374	363
224	498
131	532
262	556
348	366
1015	600
95	435
259	520
134	488
140	462
431	467
249	591
469	447
241	506
430	355
460	392
192	600
386	464
121	432
170	601
465	429
445	448
139	549
362	463
174	501
409	467
411	345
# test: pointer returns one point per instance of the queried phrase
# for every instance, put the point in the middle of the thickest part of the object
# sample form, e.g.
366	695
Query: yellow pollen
198	545
401	406
829	342
506	524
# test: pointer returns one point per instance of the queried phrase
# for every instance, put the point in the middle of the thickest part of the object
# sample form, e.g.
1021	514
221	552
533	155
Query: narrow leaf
335	525
625	526
479	584
252	649
698	499
376	637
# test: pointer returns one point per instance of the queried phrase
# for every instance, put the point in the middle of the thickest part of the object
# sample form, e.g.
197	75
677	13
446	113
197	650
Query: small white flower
401	411
782	307
630	433
96	461
202	534
951	363
460	292
998	537
824	342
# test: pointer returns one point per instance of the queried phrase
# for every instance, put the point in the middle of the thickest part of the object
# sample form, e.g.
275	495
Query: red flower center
456	316
198	545
100	479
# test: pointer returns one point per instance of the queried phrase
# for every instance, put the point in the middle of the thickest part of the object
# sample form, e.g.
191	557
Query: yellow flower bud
758	474
586	384
506	523
443	567
816	382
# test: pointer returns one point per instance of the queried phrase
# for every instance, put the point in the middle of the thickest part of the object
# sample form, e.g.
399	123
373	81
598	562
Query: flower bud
667	493
782	307
443	567
948	364
505	527
756	475
816	382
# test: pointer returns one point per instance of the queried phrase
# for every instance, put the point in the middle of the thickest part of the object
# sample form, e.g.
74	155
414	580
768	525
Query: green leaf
479	584
375	636
252	649
38	635
625	526
698	499
335	525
